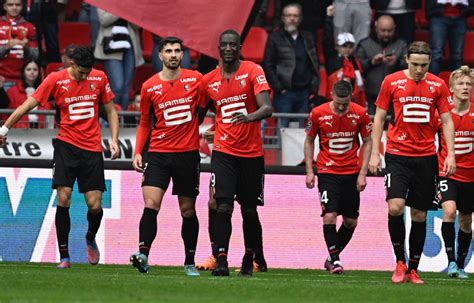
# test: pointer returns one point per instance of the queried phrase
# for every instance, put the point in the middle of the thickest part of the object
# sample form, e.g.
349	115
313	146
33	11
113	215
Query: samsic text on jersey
338	137
237	94
414	104
173	104
78	106
463	146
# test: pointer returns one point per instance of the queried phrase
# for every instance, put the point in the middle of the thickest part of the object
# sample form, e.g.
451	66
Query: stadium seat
73	33
420	16
445	76
422	35
53	67
470	22
142	73
73	7
320	45
253	47
468	47
147	44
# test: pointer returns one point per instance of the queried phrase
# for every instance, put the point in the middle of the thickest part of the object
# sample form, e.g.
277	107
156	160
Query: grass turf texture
34	282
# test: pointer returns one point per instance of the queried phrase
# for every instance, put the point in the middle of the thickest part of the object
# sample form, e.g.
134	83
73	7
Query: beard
172	66
291	28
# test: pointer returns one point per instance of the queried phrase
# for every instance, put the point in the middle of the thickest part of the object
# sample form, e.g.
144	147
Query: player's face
229	48
31	72
12	7
418	65
461	89
171	55
340	104
79	72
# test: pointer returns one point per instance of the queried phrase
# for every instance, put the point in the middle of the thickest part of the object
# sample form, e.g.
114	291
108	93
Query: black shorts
339	194
71	163
183	168
414	179
238	178
460	192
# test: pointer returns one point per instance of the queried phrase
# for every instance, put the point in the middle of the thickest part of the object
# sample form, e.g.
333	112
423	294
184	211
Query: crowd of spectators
311	44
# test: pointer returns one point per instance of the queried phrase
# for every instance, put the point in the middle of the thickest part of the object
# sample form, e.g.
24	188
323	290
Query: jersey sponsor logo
94	78
369	126
342	134
240	77
155	87
81	110
415	99
402	137
231	99
463	145
215	86
224	137
229	110
353	116
416	113
326	117
80	98
187	80
261	79
434	83
107	88
65	88
402	87
340	145
328	123
175	102
177	115
398	82
61	82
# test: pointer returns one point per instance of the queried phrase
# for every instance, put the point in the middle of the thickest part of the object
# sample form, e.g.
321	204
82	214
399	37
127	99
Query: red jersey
78	106
338	137
463	146
18	28
414	105
173	104
236	94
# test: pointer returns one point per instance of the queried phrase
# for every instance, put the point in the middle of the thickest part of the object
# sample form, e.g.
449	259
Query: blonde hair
460	72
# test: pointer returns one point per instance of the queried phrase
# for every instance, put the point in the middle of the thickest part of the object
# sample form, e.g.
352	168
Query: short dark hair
169	40
82	56
69	49
419	47
230	32
342	89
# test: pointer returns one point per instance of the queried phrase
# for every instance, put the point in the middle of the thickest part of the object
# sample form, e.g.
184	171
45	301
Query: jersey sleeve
106	94
45	90
259	81
444	102
143	128
366	125
312	126
385	97
203	96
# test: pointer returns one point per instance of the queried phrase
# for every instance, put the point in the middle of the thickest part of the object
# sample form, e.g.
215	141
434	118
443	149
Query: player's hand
449	167
115	150
238	118
209	136
361	182
137	163
375	164
3	140
310	180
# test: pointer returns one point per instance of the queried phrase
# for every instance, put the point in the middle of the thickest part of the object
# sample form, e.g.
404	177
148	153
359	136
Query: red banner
197	22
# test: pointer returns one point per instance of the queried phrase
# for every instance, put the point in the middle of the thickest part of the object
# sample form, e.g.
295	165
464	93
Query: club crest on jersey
186	87
92	87
353	122
431	89
242	83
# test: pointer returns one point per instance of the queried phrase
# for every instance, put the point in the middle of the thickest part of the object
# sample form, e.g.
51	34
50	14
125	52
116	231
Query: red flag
197	22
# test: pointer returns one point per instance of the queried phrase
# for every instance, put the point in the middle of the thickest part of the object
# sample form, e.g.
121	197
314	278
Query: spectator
88	14
402	12
341	63
447	21
134	106
291	65
3	97
30	80
156	62
352	16
44	15
118	44
17	41
380	55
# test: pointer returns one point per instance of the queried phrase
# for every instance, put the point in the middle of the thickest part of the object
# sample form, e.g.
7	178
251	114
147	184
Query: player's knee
395	209
449	214
188	212
152	203
330	218
212	203
225	207
248	212
350	223
465	222
418	215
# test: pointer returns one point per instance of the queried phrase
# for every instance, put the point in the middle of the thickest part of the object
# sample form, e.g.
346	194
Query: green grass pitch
34	282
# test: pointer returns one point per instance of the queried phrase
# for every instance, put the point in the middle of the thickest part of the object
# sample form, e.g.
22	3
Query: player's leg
448	193
416	241
464	240
65	162
211	262
156	179
260	264
185	174
91	182
225	170
349	211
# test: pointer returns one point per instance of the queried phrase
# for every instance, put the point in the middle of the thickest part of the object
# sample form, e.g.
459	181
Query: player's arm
377	130
366	150
449	166
143	131
22	110
308	160
264	110
112	118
